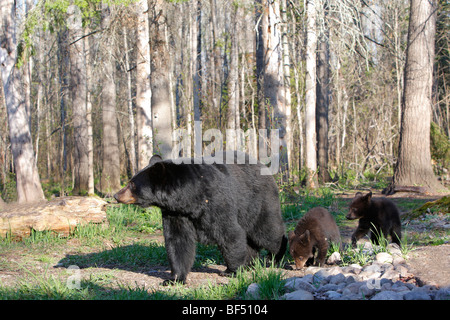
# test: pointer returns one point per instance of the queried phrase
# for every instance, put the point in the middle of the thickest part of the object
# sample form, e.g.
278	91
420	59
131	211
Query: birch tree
143	91
160	82
310	95
27	178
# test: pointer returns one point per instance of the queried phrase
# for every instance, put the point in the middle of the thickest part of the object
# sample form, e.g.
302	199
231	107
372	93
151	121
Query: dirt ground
429	264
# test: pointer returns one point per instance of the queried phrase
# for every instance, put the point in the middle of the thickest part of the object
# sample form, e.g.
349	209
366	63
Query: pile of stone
386	278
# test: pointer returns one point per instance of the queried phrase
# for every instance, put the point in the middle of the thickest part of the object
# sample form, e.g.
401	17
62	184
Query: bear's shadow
148	259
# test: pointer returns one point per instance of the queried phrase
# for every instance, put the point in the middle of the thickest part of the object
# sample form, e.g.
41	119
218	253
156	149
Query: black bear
314	231
375	215
230	205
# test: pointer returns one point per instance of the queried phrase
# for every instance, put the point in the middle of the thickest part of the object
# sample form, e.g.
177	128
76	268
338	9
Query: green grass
130	241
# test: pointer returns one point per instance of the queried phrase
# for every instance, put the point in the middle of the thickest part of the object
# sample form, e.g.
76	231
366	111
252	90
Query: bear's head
140	189
300	248
359	205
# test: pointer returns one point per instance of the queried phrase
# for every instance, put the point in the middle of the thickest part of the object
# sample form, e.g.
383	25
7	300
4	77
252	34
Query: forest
91	89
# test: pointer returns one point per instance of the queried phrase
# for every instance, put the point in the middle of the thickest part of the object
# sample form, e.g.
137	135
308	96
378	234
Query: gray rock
253	290
350	279
353	268
417	295
333	295
294	284
388	295
329	287
352	288
298	295
442	294
336	279
367	290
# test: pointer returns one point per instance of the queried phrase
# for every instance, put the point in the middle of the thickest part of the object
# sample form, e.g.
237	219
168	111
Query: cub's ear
291	235
305	237
358	194
368	197
155	159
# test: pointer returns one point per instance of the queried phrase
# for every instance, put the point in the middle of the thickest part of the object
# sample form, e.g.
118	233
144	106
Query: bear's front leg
180	240
358	234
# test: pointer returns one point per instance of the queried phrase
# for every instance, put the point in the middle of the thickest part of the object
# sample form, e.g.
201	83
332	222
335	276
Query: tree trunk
310	96
27	178
143	91
322	103
413	166
160	82
61	215
273	84
79	102
132	152
287	86
233	78
110	179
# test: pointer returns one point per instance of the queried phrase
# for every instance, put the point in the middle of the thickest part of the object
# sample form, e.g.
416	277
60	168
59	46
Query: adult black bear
377	215
230	205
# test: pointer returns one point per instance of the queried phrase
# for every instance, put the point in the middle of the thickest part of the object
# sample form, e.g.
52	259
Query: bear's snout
125	196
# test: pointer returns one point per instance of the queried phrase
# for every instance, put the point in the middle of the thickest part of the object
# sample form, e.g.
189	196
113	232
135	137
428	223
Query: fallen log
61	215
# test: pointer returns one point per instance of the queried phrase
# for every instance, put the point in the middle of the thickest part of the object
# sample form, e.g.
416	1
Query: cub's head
300	248
140	189
359	205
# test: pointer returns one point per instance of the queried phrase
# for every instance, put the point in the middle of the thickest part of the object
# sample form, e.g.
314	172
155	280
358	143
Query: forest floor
119	266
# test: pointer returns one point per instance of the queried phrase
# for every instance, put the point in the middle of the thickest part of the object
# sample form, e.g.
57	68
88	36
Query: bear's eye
132	186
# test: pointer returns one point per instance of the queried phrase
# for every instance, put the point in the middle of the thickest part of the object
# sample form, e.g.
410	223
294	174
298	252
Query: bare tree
27	178
310	95
143	91
160	81
110	178
413	166
323	100
79	101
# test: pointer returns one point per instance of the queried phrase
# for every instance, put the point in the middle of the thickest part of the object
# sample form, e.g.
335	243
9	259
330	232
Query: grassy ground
38	267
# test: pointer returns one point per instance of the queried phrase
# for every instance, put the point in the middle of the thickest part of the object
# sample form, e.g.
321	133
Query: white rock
383	257
298	295
334	258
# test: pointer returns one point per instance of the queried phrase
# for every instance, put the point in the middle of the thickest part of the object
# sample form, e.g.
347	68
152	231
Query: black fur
230	205
375	215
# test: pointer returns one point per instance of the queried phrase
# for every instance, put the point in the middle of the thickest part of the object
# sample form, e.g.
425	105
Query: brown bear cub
312	235
375	215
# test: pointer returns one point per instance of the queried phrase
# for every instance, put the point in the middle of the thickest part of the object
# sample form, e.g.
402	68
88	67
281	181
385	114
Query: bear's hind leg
235	251
180	240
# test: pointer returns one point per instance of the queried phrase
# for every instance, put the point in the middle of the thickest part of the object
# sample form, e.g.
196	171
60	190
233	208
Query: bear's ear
305	237
291	235
155	159
358	194
368	197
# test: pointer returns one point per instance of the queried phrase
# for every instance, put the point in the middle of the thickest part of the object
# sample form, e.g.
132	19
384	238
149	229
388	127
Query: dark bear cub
230	205
312	235
375	215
